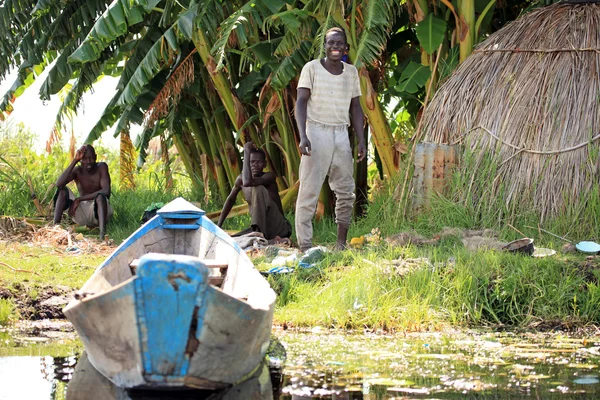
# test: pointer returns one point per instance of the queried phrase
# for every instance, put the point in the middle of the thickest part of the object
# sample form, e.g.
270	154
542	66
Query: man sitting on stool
260	190
91	208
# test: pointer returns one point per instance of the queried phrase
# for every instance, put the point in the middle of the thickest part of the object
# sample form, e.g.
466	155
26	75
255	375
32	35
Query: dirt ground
46	304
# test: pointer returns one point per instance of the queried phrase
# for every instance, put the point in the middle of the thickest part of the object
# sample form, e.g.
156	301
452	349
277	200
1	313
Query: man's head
258	162
88	162
335	43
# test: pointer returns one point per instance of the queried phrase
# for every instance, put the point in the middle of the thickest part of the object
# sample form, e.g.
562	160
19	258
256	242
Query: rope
522	150
587	49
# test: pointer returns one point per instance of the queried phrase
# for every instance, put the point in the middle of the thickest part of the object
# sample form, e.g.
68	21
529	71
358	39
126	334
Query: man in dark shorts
260	190
92	207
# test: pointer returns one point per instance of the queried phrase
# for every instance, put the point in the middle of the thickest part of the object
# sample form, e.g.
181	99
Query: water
325	365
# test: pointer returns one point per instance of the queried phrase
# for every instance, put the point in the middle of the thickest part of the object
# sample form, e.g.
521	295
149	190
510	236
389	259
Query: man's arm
230	201
265	180
358	121
301	106
247	179
68	175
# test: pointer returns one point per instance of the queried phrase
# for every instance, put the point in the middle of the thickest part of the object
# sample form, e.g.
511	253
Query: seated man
260	190
91	208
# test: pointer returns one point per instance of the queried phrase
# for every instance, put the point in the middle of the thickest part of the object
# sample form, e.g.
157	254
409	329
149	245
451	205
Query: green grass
355	289
8	312
53	266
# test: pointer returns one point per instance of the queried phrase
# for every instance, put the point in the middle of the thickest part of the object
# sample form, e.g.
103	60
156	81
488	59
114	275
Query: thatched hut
530	95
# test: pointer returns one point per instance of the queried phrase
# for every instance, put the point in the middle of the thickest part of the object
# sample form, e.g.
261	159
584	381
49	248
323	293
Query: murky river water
326	365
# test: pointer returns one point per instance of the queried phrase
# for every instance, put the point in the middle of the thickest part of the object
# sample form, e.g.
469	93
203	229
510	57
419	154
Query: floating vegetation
442	365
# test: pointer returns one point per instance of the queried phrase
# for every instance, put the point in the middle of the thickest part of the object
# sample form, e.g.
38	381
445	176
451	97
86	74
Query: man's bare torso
89	182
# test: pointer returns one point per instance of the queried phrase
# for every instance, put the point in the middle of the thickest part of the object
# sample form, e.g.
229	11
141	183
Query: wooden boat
177	304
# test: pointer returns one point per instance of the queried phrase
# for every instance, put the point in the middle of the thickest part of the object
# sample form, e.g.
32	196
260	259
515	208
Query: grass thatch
528	95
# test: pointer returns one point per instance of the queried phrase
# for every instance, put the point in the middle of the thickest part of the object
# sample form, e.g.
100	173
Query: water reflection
325	365
87	383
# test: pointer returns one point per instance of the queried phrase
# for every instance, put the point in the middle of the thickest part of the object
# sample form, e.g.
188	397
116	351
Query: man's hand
362	152
305	147
74	206
80	153
249	146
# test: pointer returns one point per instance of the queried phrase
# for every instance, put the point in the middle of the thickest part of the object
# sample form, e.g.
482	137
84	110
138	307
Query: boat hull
167	325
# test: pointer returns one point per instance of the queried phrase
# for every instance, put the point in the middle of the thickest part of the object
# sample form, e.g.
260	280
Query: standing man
91	208
328	94
260	190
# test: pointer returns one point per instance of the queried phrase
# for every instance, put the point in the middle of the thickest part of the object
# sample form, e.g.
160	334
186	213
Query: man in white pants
328	94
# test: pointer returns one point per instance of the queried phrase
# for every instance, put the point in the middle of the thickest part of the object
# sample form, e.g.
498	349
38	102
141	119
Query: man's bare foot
341	246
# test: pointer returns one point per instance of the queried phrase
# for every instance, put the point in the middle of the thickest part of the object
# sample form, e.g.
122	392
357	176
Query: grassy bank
438	287
399	285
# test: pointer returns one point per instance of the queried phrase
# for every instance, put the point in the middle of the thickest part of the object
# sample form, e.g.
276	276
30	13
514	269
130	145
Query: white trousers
331	155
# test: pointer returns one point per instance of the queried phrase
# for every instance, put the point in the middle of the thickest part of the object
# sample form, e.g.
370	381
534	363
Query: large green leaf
160	56
112	24
413	78
431	32
142	48
25	78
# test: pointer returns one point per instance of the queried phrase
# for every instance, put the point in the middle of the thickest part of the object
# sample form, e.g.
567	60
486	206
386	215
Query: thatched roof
531	94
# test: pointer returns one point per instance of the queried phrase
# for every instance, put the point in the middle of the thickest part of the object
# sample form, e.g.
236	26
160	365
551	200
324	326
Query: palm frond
296	32
88	74
113	24
143	47
242	23
291	66
167	99
23	81
15	21
378	18
141	142
162	54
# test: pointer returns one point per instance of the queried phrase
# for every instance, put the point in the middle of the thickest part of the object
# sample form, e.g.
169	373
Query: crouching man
260	190
91	208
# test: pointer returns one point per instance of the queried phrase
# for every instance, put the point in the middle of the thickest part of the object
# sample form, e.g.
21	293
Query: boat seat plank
210	263
216	280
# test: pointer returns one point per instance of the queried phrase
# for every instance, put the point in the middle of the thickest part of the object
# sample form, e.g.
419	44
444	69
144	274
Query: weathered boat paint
173	327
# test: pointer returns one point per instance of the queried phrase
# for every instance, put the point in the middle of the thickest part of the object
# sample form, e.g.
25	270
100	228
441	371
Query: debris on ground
404	266
286	259
15	228
475	243
472	239
406	238
372	238
54	236
73	243
251	241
